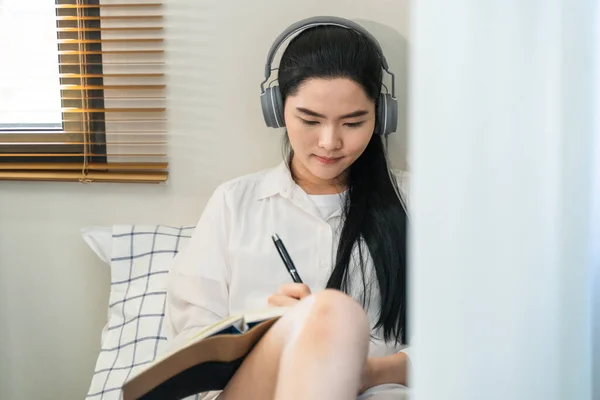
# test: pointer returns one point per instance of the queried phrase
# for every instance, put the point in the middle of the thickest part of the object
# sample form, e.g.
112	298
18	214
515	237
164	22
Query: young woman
338	209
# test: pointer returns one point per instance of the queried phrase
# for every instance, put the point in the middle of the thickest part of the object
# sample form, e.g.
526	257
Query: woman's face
329	124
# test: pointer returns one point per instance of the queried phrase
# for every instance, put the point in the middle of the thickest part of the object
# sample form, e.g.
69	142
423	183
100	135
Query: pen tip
275	237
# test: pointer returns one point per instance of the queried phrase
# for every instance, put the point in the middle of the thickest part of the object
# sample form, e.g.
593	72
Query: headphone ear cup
279	110
266	109
387	114
272	107
378	123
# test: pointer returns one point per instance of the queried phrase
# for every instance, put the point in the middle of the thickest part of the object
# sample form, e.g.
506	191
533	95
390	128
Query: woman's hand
382	370
289	294
368	376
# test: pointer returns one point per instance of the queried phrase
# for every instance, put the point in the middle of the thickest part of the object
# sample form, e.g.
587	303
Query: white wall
53	291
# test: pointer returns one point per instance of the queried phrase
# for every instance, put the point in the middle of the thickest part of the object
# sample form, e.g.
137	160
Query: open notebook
207	362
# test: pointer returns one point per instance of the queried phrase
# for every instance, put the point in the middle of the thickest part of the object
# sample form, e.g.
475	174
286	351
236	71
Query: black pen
285	257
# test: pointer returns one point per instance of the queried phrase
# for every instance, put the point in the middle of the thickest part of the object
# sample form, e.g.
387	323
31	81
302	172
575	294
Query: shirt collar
277	180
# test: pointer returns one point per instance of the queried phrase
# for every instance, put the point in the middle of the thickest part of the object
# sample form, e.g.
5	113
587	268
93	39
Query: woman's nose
330	139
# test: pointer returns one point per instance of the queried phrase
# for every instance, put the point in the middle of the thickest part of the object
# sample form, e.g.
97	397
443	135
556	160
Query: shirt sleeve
197	288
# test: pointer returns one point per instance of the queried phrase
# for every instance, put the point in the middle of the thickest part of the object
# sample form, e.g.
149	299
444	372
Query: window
37	46
82	91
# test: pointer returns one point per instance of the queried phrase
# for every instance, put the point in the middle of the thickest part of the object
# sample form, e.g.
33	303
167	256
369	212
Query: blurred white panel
501	150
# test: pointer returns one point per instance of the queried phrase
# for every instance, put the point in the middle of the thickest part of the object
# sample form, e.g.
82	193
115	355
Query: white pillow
140	259
99	238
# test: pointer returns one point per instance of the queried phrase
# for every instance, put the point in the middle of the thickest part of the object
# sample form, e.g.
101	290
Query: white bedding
386	392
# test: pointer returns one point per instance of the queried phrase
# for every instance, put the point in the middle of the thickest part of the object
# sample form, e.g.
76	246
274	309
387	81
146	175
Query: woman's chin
326	172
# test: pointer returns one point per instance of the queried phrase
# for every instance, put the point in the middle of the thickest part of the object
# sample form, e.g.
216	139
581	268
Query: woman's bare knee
335	316
334	337
318	327
331	300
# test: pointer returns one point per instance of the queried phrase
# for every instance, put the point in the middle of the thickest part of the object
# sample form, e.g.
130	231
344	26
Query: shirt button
324	264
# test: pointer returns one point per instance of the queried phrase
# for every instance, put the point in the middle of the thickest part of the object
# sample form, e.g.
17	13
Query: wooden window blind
111	65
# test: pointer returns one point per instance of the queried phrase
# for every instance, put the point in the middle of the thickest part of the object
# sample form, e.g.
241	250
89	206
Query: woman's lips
328	160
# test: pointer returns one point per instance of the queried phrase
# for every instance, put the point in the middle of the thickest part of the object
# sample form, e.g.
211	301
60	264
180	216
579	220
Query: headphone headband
319	21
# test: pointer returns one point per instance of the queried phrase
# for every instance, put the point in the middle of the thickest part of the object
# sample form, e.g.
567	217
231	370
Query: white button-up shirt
231	265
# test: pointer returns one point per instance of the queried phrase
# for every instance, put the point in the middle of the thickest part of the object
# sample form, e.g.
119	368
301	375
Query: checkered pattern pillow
140	262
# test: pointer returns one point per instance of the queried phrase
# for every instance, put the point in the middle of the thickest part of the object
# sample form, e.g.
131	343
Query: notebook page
254	317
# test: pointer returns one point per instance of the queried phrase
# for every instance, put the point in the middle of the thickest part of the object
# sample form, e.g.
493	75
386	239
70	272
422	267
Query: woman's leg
317	350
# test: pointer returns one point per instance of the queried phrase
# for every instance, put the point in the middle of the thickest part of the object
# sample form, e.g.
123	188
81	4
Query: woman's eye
354	124
310	123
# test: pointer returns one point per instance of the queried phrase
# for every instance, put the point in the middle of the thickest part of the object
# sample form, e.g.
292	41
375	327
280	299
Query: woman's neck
312	184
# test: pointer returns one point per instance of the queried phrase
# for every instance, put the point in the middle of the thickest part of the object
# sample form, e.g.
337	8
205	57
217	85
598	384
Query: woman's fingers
295	290
289	294
279	300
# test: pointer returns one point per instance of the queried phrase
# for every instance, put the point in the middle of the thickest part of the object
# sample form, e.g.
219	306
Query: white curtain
596	229
502	150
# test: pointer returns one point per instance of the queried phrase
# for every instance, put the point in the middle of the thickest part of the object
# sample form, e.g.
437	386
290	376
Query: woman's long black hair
373	212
